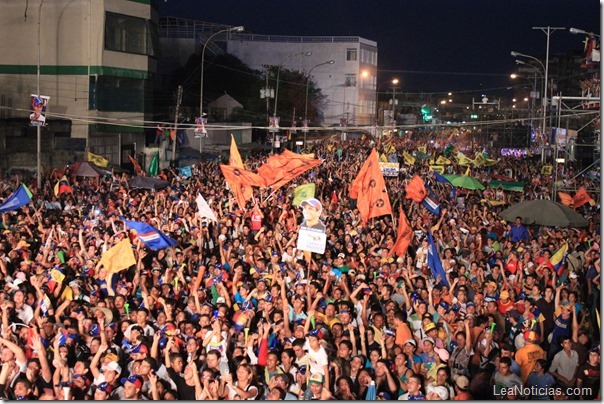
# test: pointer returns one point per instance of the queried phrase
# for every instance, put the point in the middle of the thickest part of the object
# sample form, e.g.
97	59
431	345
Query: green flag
303	192
154	166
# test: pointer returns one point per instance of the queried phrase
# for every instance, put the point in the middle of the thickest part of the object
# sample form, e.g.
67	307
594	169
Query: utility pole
178	101
39	128
547	31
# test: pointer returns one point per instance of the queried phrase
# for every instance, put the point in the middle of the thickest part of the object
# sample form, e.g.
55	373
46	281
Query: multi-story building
95	59
349	84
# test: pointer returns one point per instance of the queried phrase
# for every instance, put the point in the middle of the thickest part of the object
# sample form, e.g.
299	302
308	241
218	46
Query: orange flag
280	169
137	167
580	198
241	181
373	200
235	157
118	257
404	236
416	189
565	198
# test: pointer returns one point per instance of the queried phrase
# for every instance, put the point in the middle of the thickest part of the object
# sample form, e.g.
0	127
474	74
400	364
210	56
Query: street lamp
377	98
203	53
578	31
394	83
329	62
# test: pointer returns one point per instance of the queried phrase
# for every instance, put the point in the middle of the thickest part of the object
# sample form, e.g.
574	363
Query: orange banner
241	182
281	168
372	200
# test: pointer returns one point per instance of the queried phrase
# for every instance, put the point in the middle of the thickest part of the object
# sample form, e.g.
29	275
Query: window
351	54
124	33
120	94
351	80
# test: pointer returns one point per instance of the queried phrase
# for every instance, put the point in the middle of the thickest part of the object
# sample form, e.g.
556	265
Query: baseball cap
268	298
38	100
572	275
140	348
316	378
411	341
137	380
341	255
429	339
312	202
462	382
429	327
504	295
441	391
112	366
389	333
104	387
530	336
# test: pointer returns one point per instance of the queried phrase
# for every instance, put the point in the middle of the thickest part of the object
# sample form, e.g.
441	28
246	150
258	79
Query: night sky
431	46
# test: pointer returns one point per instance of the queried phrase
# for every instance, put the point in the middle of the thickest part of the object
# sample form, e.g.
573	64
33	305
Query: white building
349	84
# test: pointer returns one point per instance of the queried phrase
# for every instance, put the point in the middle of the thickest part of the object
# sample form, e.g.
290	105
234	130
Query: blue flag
442	179
153	238
19	198
434	261
185	171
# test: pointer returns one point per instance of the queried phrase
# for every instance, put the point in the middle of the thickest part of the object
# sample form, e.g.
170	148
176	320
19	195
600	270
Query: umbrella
463	181
148	183
545	213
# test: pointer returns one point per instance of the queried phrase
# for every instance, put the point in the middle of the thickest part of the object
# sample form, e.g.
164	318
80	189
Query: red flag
416	189
565	198
580	198
373	200
404	236
137	167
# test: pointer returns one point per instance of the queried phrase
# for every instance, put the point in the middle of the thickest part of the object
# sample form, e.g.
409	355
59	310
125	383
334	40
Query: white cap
113	366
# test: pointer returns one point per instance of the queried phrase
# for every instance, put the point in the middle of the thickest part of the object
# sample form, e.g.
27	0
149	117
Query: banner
98	160
302	192
434	262
441	160
408	159
280	169
389	169
369	188
546	170
185	171
39	104
273	123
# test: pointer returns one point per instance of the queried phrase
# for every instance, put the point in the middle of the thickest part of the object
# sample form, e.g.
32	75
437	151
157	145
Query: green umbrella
463	181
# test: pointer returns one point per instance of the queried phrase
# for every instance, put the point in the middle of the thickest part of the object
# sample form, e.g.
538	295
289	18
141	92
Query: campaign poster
311	236
389	169
38	105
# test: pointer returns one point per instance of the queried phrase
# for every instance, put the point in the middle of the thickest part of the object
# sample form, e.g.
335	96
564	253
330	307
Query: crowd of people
234	311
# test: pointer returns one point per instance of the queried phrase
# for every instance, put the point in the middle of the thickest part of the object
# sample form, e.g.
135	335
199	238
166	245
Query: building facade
96	60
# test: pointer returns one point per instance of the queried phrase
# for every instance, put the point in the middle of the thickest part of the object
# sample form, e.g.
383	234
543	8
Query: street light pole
394	82
39	128
203	53
329	62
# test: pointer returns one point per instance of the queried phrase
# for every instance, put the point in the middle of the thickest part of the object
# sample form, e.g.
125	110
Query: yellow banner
409	159
118	257
422	149
442	160
439	169
546	170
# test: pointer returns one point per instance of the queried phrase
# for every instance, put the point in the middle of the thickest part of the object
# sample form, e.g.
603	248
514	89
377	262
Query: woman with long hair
344	389
402	371
242	388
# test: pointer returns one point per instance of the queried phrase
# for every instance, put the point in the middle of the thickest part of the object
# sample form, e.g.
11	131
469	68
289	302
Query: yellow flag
439	169
467	171
118	257
235	157
57	276
479	160
546	170
303	192
442	160
422	149
97	160
490	162
463	160
409	159
383	158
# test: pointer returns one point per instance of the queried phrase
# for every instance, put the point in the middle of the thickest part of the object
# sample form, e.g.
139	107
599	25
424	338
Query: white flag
204	209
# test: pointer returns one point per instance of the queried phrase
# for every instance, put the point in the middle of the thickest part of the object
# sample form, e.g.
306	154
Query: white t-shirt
316	359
